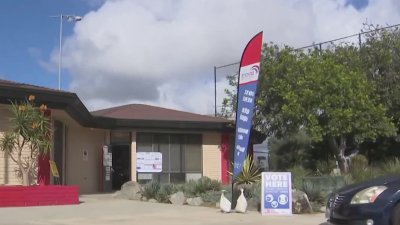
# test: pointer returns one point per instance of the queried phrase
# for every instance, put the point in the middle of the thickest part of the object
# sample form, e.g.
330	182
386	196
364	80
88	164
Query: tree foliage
325	92
380	56
29	137
342	95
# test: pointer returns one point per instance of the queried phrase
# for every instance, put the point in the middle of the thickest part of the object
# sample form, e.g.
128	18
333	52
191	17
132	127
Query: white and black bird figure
241	204
224	203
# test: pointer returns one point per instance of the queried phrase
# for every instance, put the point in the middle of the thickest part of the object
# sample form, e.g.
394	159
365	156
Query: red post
225	158
43	177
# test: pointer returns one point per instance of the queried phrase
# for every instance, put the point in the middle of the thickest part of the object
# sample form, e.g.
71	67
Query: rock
194	201
300	202
152	200
131	190
178	198
144	199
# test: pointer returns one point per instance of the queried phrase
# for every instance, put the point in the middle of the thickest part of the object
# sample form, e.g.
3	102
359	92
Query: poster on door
148	162
276	193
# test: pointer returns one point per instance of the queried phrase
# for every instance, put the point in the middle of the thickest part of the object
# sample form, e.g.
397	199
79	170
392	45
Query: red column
224	158
43	176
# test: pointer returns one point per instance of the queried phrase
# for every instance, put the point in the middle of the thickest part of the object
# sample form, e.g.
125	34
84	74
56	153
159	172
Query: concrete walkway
103	210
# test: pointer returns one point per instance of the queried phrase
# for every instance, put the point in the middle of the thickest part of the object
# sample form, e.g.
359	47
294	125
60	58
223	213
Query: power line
349	36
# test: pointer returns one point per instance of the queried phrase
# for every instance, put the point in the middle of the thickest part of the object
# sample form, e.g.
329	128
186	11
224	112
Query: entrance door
121	164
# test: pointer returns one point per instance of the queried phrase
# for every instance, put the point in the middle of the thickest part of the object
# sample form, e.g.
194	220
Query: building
192	145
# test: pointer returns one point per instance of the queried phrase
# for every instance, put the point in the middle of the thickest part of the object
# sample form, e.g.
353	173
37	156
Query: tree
29	137
324	92
380	55
289	151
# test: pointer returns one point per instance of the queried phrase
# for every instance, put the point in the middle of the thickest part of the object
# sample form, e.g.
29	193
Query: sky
162	52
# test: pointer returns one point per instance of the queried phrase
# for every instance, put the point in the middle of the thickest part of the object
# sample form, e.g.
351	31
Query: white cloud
162	52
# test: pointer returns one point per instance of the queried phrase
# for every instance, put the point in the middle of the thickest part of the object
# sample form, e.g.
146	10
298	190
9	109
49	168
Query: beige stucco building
98	150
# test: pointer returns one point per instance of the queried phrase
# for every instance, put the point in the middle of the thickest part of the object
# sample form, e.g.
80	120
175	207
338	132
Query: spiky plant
250	173
151	190
29	137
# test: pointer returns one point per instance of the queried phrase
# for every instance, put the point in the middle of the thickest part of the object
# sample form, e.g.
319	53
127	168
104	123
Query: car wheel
396	215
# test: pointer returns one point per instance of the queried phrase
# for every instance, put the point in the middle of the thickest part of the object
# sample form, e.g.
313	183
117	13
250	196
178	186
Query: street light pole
60	53
70	18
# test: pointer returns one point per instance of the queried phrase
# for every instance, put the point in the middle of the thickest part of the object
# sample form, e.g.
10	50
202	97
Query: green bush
195	188
314	192
326	184
325	167
212	197
151	189
165	191
391	167
298	173
360	171
359	162
253	191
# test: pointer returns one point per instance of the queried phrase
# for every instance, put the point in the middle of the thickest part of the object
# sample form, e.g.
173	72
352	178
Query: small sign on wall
148	162
85	155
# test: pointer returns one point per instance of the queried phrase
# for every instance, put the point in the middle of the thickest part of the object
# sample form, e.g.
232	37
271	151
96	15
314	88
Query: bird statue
241	204
224	203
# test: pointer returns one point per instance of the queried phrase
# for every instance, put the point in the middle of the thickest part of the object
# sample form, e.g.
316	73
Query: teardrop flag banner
246	95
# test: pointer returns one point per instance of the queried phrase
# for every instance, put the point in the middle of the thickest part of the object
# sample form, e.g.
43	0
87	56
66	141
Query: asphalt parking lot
103	209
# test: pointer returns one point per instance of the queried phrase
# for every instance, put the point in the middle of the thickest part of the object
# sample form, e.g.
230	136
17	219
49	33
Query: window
193	154
181	155
144	143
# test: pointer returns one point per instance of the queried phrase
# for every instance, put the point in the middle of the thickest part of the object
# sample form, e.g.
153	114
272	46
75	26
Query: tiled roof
147	112
127	116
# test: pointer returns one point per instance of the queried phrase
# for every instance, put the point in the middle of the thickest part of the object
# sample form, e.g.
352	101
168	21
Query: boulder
178	198
130	190
300	202
194	201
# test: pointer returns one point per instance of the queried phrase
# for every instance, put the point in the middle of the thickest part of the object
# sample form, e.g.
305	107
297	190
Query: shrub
359	162
212	197
325	167
298	173
165	192
195	188
151	190
359	170
391	167
314	192
254	191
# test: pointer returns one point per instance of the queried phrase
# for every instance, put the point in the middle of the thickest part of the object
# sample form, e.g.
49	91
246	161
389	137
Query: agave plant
250	173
